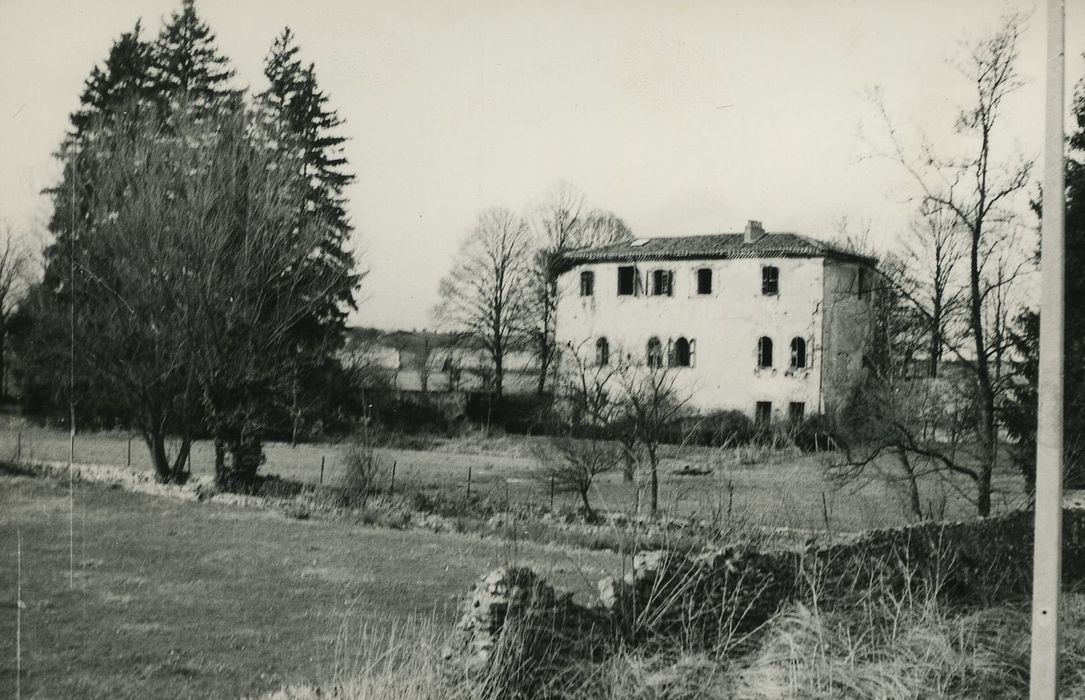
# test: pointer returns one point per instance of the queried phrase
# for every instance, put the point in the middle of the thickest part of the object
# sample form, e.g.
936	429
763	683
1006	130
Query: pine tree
299	113
122	81
1020	409
185	61
301	108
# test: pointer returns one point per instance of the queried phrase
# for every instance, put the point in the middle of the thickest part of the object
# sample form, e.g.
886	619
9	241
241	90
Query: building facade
771	324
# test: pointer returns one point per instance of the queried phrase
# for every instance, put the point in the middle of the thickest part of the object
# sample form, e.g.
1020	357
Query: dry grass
782	487
183	599
920	651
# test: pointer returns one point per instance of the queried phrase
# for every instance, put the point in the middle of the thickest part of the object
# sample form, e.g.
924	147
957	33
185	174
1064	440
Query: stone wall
516	623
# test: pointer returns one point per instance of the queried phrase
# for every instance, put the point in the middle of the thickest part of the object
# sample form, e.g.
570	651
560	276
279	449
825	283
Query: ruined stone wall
713	598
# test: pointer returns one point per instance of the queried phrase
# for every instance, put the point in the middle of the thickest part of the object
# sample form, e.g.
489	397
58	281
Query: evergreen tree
185	61
123	80
308	124
1020	410
299	114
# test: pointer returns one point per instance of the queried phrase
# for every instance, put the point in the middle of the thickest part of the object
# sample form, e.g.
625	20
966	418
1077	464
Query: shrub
817	433
716	429
363	473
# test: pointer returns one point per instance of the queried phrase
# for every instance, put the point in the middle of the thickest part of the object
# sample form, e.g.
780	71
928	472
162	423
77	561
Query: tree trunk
986	404
587	506
499	375
628	465
653	481
3	363
165	472
913	484
544	366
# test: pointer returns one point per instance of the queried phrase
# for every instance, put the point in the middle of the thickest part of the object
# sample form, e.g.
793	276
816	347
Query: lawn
780	489
183	599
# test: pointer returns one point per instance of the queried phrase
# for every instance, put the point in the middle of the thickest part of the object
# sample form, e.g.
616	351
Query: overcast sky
680	117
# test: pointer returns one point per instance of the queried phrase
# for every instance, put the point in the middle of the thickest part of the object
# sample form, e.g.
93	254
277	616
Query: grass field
180	599
773	488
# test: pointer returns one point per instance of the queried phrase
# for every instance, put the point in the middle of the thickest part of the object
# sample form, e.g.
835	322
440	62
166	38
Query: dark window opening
770	281
602	352
862	282
798	352
764	351
627	280
763	413
682	353
796	411
704	281
655	353
662	283
587	284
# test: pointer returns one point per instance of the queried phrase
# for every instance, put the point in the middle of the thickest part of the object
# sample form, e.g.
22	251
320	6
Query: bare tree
652	407
561	225
14	269
933	250
486	295
604	228
570	463
905	432
977	192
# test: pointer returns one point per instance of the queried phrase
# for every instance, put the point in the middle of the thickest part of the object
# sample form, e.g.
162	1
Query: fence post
551	492
129	450
19	447
392	486
469	483
506	495
321	469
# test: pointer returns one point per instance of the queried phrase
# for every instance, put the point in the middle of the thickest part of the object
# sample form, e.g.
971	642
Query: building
772	324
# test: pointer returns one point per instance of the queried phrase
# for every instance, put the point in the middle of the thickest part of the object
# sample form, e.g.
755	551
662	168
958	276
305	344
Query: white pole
71	388
1047	542
18	613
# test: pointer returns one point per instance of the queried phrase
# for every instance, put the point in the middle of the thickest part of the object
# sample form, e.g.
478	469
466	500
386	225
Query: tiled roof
716	246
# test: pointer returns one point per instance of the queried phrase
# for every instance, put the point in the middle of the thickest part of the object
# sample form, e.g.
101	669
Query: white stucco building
772	324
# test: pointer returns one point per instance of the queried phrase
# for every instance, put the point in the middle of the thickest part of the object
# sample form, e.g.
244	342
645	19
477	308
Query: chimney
753	231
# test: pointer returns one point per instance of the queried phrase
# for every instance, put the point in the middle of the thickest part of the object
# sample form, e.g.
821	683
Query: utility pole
1047	538
71	381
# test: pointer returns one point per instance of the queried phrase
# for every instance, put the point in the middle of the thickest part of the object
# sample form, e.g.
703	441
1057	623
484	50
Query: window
796	410
764	351
798	352
704	281
655	353
763	413
662	283
770	281
587	284
862	282
682	353
627	280
602	352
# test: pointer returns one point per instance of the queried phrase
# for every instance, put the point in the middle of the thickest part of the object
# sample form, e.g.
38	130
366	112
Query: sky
681	117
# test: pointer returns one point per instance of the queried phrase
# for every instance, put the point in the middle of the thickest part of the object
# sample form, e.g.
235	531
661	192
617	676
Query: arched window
680	353
798	352
602	352
764	351
655	353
